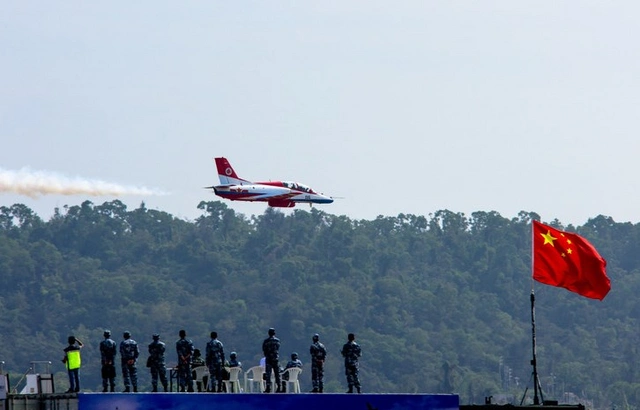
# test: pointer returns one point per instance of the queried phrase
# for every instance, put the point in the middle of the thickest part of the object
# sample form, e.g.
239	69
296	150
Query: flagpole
536	399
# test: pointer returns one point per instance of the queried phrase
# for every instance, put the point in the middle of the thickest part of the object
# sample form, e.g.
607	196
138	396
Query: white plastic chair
200	373
233	384
293	385
254	375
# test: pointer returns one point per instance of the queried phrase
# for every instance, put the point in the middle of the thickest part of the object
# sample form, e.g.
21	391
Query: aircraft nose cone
326	199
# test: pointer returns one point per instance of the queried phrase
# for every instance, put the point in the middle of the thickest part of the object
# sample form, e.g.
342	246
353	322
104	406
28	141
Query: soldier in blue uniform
351	352
184	349
108	351
270	348
318	355
156	363
294	362
233	360
128	357
215	362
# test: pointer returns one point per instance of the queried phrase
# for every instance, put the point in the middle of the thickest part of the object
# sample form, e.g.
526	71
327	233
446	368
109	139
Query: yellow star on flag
548	238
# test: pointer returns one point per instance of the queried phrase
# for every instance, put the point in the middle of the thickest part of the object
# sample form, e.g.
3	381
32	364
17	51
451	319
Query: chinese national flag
568	261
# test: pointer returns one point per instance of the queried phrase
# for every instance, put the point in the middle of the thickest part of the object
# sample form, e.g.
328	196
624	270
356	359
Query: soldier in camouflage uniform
184	348
270	348
318	355
128	356
108	351
215	361
351	352
294	362
156	364
198	361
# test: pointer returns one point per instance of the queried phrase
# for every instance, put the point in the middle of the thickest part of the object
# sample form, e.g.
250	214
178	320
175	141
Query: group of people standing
351	352
189	358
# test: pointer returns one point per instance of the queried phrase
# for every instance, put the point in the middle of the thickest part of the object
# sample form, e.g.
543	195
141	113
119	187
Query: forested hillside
438	302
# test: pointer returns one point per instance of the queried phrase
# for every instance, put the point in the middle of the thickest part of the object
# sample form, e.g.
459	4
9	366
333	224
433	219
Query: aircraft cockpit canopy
297	186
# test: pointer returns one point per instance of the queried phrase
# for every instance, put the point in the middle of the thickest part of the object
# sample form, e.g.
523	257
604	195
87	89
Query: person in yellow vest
73	362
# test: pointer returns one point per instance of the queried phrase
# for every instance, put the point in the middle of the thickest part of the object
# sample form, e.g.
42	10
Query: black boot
113	389
268	389
350	389
127	389
358	389
320	389
104	389
164	386
135	389
315	390
154	389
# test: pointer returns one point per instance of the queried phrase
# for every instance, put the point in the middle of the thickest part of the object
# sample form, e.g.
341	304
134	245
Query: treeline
439	303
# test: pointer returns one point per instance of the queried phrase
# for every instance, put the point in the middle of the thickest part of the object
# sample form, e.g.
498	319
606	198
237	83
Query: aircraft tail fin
227	174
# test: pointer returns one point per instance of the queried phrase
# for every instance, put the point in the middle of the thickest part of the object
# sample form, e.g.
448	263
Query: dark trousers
108	376
215	371
317	376
184	377
74	380
161	372
129	375
272	366
351	370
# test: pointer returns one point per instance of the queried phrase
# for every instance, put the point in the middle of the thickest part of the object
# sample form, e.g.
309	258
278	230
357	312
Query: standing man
72	362
184	348
128	356
215	361
270	348
108	351
318	355
155	363
351	352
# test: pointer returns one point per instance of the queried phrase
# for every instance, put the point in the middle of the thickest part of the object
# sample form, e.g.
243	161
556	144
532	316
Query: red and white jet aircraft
281	194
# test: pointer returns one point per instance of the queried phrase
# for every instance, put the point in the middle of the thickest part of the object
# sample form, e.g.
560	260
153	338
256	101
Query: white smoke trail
38	183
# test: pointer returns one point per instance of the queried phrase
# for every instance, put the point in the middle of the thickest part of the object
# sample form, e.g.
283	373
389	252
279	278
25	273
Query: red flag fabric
569	261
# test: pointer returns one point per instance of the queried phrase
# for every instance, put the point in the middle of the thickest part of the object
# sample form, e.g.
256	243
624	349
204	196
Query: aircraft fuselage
277	194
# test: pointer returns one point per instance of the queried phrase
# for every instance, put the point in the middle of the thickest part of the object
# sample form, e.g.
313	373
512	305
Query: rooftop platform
244	401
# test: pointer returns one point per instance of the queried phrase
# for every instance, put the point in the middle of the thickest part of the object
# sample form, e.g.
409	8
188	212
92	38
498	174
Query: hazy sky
399	107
